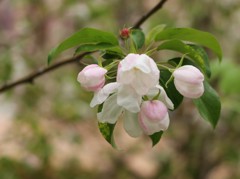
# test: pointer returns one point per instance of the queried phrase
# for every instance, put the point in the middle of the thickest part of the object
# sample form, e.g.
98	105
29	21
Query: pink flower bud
189	81
92	77
153	117
124	33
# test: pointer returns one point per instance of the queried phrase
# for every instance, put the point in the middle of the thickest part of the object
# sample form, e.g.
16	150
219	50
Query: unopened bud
153	117
124	33
189	81
92	77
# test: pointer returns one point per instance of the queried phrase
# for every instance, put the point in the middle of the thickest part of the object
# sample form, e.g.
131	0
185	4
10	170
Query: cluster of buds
137	94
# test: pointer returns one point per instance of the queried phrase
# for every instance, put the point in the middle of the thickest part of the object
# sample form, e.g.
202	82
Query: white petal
150	127
164	123
143	82
129	62
128	98
188	74
164	98
152	92
131	124
125	77
143	65
110	111
101	95
193	91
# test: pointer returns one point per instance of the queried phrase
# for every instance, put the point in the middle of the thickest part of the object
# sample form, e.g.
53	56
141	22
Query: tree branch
150	13
41	71
31	77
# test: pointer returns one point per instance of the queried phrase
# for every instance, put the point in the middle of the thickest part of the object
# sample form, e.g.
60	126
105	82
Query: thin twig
41	71
150	13
31	77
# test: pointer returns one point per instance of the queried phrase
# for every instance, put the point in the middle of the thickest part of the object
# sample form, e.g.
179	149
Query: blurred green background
48	130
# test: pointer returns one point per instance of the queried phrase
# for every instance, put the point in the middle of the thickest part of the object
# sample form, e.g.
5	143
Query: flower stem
181	60
150	52
165	67
111	65
168	81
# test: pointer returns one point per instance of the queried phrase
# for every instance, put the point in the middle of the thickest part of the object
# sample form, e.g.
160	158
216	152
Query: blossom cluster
137	95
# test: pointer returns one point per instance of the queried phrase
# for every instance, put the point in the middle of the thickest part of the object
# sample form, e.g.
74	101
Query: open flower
111	111
189	81
92	77
153	117
138	71
136	75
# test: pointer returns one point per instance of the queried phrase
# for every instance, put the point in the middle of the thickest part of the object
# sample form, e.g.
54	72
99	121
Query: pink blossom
92	77
153	117
189	81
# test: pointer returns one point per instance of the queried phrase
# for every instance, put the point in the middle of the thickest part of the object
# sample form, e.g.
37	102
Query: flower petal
110	111
101	95
125	77
150	127
128	98
193	91
92	77
129	62
143	64
189	74
164	98
143	82
131	124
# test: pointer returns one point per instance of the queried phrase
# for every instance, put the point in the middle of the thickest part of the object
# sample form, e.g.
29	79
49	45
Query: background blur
48	130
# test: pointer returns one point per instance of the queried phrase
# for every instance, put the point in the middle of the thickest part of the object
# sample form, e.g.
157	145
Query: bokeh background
48	130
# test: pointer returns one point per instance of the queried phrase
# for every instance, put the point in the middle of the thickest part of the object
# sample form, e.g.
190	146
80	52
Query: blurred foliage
53	132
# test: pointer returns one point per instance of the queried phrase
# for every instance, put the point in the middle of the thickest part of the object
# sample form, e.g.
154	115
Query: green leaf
113	53
197	54
93	47
209	105
156	137
171	91
138	38
205	58
106	130
192	35
83	37
153	33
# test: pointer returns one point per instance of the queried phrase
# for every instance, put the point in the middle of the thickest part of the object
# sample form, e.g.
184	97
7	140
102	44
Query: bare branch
150	13
41	71
31	77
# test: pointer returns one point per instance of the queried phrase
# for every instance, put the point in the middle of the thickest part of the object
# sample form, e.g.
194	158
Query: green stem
168	81
132	46
126	44
109	77
181	61
111	65
100	62
150	52
165	67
